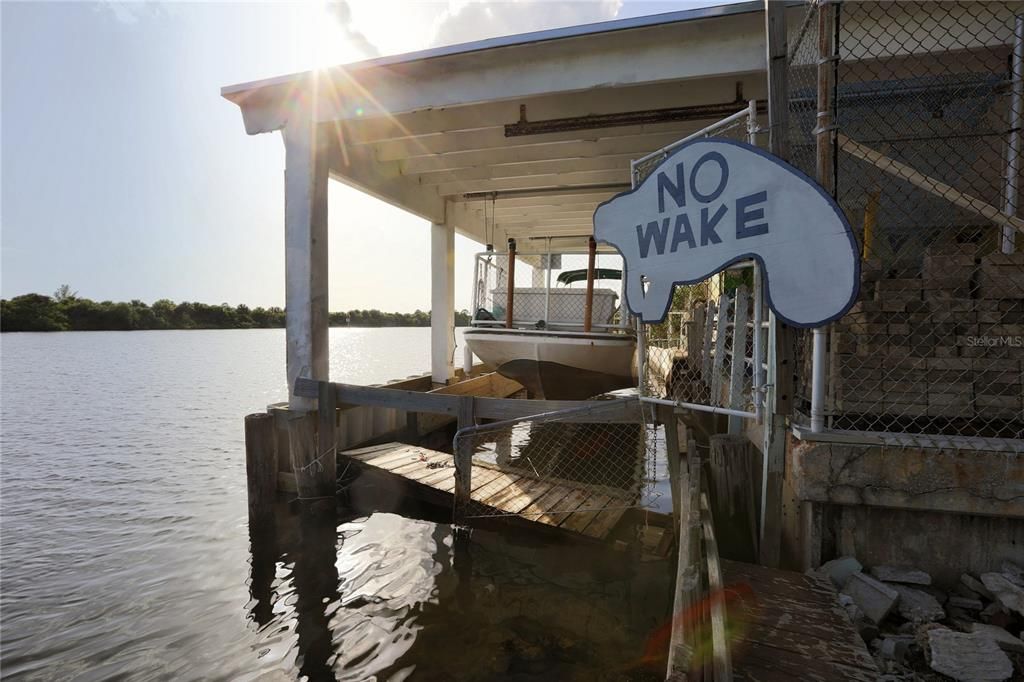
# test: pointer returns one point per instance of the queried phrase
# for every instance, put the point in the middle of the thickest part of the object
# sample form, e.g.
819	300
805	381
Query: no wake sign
713	202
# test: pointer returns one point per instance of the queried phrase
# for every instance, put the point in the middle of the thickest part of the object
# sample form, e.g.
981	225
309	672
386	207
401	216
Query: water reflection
388	597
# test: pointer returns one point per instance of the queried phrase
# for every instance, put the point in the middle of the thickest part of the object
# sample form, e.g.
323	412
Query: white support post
442	302
738	360
306	311
818	381
758	363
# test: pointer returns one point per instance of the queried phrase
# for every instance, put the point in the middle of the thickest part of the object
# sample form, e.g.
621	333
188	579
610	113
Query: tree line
66	311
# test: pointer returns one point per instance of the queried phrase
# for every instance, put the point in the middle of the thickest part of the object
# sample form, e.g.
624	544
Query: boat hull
558	365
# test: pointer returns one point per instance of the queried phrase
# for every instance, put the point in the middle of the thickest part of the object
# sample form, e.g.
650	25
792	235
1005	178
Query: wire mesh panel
926	113
576	471
690	357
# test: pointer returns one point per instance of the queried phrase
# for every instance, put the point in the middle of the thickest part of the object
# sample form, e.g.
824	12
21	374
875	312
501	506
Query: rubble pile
917	631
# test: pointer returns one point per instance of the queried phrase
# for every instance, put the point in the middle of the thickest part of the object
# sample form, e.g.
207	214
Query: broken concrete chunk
917	605
966	603
895	574
967	656
975	585
1004	639
1013	573
895	648
875	598
839	570
1008	594
995	614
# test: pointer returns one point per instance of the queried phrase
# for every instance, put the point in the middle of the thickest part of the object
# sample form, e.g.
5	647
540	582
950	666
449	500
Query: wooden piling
511	284
327	437
310	479
588	305
463	462
735	483
684	655
260	466
667	417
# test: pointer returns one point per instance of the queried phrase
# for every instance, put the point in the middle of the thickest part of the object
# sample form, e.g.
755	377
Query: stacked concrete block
945	341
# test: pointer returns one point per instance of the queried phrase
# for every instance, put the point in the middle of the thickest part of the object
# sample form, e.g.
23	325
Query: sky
125	175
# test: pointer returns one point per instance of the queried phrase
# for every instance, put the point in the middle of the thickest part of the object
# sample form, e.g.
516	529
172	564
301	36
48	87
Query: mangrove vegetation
65	310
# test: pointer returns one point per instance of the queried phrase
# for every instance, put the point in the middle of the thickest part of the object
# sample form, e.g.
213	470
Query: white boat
547	345
558	365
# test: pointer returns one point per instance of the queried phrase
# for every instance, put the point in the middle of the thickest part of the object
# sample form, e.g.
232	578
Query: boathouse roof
522	135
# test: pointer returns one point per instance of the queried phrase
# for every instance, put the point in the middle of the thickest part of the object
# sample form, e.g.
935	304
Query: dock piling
260	466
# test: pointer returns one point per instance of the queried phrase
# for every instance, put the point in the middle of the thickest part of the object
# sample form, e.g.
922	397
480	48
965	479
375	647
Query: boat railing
560	325
534	290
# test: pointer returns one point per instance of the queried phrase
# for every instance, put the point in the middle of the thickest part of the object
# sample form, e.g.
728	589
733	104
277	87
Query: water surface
126	552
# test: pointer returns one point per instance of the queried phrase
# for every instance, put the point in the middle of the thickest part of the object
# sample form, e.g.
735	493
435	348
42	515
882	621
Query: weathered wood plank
688	591
721	658
543	501
604	522
360	453
519	495
579	520
483	488
546	502
568	504
765	663
390	460
419	467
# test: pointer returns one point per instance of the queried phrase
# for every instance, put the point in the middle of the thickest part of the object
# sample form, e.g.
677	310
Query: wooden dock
583	510
790	626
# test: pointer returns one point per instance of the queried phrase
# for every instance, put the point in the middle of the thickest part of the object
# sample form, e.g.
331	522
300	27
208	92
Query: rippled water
125	552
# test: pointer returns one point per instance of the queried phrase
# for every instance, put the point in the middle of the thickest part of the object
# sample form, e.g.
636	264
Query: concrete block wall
945	512
923	341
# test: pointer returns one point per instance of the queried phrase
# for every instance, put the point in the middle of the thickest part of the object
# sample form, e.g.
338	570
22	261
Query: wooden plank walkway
583	510
790	626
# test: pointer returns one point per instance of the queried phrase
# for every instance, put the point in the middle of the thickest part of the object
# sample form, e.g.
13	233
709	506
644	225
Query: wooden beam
531	200
494	138
597	146
495	114
622	410
526	169
560	180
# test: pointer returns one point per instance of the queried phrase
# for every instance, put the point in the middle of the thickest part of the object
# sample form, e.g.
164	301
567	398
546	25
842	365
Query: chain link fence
703	352
924	151
577	469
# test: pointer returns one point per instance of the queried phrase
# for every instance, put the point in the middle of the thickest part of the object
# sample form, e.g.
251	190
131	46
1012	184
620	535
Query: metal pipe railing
1010	193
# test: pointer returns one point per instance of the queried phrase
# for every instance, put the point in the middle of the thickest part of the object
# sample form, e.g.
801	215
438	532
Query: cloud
129	12
342	13
476	20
